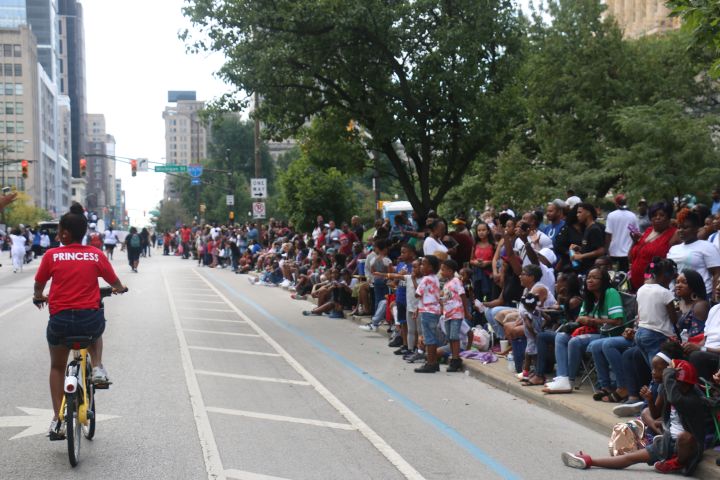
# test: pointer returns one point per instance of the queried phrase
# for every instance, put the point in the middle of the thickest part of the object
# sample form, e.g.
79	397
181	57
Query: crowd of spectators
573	296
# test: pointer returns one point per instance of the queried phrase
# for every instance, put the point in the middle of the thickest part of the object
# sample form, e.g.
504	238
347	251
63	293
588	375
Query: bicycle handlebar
108	291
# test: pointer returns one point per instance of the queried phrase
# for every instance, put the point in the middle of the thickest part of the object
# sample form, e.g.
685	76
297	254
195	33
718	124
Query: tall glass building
13	13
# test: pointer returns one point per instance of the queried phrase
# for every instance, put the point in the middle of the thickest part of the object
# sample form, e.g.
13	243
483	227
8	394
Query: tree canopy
431	84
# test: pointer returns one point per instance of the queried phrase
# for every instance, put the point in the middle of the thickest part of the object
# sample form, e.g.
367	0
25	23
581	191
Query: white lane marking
206	309
200	301
14	307
215	332
281	418
376	440
35	419
243	475
221	320
199	294
192	289
251	377
232	350
211	454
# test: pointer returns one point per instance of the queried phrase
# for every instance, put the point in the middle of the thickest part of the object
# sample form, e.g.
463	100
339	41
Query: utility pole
258	169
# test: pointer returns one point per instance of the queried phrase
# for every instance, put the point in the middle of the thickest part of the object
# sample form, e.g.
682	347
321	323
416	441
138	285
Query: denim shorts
74	323
401	312
452	327
429	327
661	448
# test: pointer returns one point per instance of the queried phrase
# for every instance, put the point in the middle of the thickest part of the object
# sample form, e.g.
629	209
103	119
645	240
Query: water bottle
510	363
684	336
575	263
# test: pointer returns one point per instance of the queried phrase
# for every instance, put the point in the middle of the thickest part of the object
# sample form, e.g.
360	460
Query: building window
20	128
18	70
9	88
8	69
10	127
16	51
60	48
18	89
19	108
20	146
7	50
9	108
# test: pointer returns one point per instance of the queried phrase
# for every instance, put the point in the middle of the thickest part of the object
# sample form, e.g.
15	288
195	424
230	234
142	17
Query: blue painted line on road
408	404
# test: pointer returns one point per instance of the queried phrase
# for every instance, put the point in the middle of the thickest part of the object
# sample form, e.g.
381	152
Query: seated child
680	447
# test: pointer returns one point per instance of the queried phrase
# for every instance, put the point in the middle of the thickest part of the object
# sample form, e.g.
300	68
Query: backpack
135	241
626	437
96	241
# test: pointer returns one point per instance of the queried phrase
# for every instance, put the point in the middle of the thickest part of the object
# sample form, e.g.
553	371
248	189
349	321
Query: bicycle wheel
89	429
73	430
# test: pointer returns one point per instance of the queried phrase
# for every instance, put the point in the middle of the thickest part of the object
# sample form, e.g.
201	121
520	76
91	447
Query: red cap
620	199
686	372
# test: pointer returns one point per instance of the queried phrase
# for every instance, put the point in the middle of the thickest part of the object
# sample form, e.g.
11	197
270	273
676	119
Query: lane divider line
252	377
215	332
221	320
200	301
207	310
243	475
376	440
211	454
448	431
281	418
15	307
232	350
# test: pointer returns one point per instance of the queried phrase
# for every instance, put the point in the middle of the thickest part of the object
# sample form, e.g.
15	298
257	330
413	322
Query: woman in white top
695	254
110	242
433	243
18	249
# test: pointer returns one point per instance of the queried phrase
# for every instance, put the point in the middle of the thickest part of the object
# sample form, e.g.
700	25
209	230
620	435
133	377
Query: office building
101	195
638	18
71	74
185	135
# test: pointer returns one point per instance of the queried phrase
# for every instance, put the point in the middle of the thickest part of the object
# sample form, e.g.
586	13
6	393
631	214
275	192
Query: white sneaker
559	385
56	430
99	375
629	409
285	283
368	328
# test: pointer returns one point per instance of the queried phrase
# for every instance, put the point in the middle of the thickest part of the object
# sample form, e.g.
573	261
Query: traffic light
232	216
83	167
133	167
24	165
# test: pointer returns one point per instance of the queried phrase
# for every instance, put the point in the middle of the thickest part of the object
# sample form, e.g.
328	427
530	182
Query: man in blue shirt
555	214
715	207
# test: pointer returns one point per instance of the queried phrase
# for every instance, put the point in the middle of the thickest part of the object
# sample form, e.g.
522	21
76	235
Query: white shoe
629	409
368	328
99	375
559	385
56	430
285	283
251	280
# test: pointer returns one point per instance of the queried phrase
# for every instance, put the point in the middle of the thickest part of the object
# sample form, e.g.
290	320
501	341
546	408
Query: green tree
431	83
307	191
22	210
701	18
171	214
667	152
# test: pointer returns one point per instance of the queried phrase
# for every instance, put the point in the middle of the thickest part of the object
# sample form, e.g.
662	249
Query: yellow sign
202	207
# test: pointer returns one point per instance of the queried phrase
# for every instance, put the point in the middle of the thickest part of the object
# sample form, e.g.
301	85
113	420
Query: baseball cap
686	372
572	201
620	199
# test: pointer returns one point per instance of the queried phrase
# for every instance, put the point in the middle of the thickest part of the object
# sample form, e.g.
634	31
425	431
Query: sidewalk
577	406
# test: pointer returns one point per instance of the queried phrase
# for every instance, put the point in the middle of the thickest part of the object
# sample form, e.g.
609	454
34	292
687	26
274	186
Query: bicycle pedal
102	385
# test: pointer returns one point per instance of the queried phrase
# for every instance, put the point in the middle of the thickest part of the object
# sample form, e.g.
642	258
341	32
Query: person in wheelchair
74	302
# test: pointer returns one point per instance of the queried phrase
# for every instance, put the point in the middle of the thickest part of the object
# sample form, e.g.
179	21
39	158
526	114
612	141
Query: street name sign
171	168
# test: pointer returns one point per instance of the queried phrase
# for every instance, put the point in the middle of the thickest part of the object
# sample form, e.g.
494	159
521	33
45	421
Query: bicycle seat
77	343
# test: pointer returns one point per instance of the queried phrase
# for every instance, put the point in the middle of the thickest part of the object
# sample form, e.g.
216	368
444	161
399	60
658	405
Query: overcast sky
133	57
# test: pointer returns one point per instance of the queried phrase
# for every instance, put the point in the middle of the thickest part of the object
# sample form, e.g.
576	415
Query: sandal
598	396
534	381
613	397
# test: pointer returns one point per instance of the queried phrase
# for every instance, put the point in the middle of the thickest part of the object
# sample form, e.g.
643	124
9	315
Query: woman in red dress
654	242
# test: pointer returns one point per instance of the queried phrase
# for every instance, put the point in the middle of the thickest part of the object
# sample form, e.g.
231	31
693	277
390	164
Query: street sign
258	210
195	170
171	168
258	188
230	200
194	181
142	164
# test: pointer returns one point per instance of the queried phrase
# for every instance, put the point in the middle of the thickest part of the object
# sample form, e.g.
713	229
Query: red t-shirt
74	270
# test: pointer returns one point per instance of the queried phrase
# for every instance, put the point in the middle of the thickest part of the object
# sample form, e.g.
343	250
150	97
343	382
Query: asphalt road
215	378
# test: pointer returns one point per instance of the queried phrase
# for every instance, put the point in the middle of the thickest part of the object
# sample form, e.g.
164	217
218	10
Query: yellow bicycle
78	405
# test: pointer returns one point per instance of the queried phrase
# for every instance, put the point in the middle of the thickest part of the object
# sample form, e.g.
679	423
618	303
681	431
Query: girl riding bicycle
74	302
